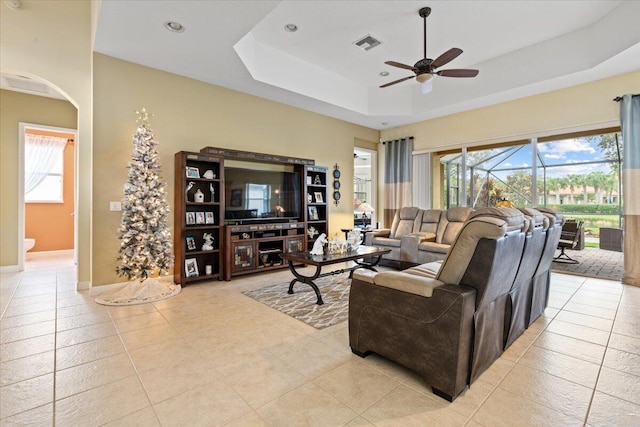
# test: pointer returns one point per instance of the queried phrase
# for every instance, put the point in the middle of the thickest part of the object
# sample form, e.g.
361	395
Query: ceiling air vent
30	85
367	43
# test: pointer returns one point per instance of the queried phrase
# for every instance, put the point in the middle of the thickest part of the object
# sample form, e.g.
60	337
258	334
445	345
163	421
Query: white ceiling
520	47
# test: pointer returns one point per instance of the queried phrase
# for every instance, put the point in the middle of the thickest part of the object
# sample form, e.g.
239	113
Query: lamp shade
365	207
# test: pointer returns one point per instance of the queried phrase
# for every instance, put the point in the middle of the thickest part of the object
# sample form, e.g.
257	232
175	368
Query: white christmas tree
146	249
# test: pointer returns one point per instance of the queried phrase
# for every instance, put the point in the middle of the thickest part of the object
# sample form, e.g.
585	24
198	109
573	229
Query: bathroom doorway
47	157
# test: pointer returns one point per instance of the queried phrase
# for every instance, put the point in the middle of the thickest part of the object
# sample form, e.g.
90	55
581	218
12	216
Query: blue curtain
630	123
397	177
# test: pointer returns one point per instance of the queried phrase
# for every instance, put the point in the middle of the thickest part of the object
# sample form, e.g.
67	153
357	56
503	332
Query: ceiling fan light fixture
424	77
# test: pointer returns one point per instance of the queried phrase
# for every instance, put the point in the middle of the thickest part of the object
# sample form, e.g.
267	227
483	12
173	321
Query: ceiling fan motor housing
424	65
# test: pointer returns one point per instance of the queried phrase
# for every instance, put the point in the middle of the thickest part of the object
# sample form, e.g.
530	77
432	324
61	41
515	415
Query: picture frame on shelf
200	218
193	172
191	243
309	180
191	218
313	213
319	198
191	267
208	218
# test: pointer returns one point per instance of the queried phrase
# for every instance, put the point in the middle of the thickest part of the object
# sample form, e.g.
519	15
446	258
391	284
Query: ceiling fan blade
458	73
446	57
397	81
399	65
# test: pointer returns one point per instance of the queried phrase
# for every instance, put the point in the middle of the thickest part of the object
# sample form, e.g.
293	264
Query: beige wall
190	115
583	107
14	108
52	40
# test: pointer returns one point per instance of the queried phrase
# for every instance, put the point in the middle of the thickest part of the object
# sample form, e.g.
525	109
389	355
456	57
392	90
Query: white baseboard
9	269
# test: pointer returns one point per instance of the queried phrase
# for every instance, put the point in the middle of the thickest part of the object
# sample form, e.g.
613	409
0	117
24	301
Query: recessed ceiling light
174	26
292	28
384	73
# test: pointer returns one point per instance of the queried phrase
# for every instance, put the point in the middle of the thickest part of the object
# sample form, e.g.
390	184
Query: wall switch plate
115	206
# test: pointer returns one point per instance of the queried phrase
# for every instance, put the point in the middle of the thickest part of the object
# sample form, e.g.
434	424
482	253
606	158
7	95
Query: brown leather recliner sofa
448	328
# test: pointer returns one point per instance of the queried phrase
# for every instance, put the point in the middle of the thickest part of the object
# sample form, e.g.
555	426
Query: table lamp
365	208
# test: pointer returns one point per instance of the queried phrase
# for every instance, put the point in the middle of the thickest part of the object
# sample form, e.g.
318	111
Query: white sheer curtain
40	156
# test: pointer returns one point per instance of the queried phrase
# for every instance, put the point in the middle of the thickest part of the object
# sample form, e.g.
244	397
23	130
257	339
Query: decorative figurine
316	180
198	197
311	232
208	242
190	185
318	245
209	174
213	191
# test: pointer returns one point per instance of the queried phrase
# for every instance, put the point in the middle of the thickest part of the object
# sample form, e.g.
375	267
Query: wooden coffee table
365	257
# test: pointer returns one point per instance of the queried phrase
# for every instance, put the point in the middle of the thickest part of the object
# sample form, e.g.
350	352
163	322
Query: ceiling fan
425	68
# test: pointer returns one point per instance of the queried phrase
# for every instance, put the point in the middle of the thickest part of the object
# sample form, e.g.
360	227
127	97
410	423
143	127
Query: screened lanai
578	175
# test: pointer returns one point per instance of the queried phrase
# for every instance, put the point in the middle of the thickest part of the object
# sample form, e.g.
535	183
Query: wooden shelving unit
254	248
239	247
194	220
317	202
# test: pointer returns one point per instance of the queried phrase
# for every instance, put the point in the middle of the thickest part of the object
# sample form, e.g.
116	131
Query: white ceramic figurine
318	245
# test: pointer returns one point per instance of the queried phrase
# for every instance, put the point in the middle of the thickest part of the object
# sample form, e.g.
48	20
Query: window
576	174
44	163
363	185
258	197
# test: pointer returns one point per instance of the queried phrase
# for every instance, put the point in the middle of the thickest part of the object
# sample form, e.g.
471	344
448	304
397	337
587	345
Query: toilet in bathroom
29	244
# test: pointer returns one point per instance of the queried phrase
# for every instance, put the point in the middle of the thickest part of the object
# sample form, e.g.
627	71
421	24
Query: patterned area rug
302	304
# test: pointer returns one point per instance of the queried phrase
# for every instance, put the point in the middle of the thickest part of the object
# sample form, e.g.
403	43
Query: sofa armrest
383	232
409	248
406	282
424	236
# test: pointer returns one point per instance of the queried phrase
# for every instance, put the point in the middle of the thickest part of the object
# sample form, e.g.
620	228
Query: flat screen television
261	195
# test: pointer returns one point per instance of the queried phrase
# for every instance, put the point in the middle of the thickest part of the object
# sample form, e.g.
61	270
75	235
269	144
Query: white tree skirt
136	292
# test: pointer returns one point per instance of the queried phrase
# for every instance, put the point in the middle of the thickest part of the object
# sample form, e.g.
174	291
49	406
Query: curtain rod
619	98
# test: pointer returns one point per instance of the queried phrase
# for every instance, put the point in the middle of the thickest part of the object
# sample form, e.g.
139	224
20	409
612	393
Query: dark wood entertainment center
247	244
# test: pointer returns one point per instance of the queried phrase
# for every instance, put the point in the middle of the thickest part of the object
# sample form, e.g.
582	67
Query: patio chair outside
569	240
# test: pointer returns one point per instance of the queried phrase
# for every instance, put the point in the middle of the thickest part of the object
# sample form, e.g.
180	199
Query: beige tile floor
212	356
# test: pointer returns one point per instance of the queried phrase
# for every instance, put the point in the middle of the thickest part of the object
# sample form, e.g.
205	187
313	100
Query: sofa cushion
513	217
440	248
426	270
538	220
451	223
406	221
430	220
386	241
556	218
411	283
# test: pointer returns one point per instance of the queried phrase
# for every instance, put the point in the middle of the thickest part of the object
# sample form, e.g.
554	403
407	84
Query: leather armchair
448	329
